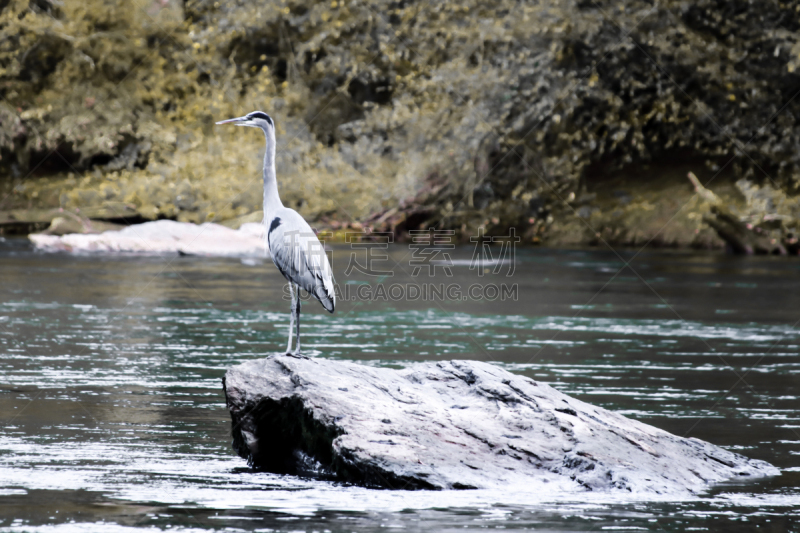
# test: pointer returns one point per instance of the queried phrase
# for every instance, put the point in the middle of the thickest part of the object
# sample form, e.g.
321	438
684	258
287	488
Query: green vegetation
399	114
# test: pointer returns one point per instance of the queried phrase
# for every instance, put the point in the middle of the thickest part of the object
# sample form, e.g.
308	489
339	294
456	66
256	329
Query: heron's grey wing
300	256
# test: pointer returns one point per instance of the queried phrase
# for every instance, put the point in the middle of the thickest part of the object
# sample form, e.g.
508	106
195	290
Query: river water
113	416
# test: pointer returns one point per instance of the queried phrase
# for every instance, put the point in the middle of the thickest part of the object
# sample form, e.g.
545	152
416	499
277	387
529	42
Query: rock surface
455	425
163	236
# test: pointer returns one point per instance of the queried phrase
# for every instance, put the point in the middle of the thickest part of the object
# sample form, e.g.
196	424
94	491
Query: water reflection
113	416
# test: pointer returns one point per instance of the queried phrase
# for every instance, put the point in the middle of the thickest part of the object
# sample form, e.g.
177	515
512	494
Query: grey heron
292	244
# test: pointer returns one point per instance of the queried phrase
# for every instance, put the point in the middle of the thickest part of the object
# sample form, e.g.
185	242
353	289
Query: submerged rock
455	425
162	236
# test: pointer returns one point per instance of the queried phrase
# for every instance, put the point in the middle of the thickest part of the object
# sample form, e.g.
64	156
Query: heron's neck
272	201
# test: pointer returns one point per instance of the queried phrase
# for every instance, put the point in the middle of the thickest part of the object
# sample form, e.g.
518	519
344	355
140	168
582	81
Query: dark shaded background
573	121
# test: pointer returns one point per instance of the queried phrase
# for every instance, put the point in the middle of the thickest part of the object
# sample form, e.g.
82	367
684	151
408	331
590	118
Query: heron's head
256	119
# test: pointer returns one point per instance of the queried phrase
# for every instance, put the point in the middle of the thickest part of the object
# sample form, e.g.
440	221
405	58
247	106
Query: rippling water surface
113	416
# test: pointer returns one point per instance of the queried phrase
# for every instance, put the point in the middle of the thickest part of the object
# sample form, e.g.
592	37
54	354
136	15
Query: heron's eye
263	116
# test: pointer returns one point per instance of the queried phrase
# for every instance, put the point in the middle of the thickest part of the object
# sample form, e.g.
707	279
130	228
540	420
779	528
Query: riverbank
669	211
458	117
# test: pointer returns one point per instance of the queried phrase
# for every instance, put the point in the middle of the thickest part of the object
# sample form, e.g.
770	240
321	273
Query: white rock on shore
163	237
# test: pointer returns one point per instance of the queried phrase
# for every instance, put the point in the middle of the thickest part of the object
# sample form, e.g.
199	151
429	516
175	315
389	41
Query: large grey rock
455	425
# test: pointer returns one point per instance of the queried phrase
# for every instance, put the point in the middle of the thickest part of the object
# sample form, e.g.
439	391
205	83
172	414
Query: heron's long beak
239	121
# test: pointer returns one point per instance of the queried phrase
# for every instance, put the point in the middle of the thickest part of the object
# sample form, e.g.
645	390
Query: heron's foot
297	355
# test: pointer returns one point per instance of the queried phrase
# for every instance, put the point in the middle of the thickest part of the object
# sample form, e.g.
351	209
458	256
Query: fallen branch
741	237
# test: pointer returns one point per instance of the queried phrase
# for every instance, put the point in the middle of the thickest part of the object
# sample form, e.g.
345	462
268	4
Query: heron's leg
291	319
297	321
